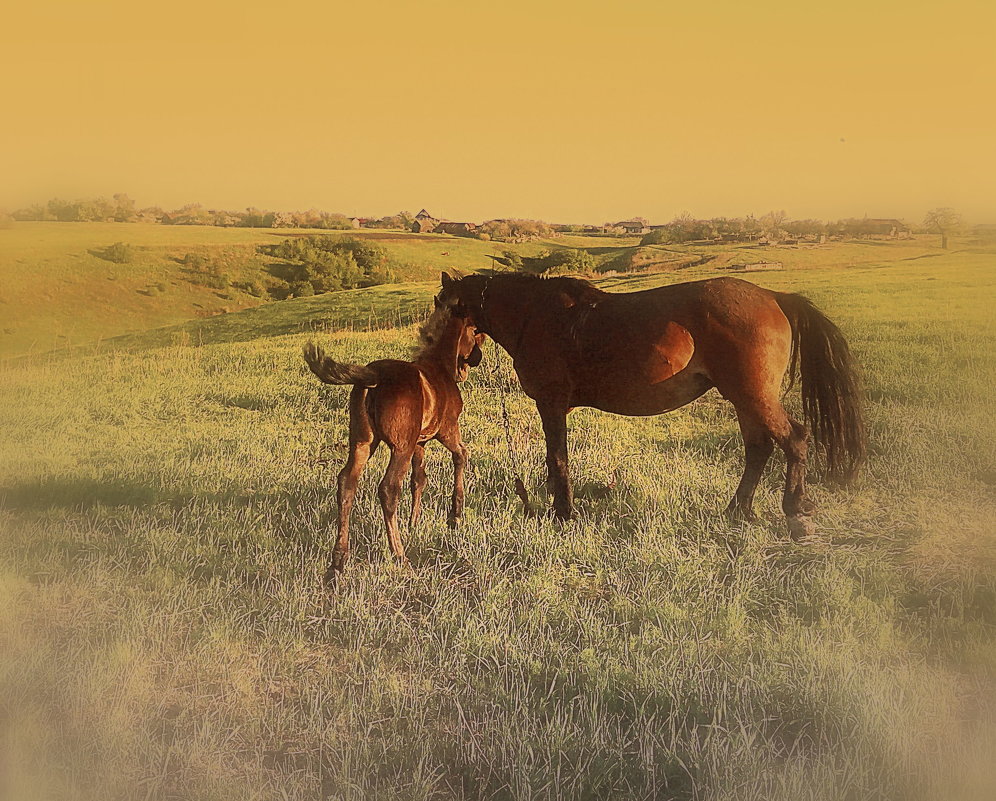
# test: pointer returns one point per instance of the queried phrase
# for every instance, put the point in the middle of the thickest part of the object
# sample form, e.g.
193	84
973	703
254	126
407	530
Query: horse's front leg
554	419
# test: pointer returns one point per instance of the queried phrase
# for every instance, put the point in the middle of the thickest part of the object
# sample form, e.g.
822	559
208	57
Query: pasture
167	505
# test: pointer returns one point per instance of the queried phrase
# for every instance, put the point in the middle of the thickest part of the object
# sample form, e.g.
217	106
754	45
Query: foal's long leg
554	419
418	484
362	443
454	444
349	476
389	492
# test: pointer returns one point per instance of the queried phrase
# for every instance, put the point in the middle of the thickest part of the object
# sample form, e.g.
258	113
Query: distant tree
771	225
804	227
61	210
34	212
124	208
190	214
516	230
944	221
683	228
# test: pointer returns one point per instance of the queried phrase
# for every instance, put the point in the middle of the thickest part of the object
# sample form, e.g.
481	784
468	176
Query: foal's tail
333	372
831	393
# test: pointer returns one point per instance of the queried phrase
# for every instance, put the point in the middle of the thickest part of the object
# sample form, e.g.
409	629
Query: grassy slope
55	291
166	522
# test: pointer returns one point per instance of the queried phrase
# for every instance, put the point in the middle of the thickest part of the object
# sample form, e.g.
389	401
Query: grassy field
164	633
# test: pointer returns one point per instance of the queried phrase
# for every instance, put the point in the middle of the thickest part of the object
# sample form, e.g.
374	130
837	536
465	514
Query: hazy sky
565	111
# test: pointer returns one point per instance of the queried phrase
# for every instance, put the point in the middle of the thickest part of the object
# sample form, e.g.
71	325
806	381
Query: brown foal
405	405
645	353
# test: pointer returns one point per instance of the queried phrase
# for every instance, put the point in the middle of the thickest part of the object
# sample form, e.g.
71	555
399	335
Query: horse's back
658	349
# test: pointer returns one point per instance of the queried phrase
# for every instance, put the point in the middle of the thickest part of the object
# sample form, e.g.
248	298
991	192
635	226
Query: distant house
424	223
455	228
634	226
878	228
357	222
985	231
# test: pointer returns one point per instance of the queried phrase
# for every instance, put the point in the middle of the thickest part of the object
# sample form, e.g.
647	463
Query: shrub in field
251	287
194	261
329	263
302	289
207	273
563	261
119	253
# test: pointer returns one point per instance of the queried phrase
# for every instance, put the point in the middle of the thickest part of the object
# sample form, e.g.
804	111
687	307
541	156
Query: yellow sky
565	111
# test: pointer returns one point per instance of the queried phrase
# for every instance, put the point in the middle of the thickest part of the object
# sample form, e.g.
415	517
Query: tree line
773	226
776	227
121	208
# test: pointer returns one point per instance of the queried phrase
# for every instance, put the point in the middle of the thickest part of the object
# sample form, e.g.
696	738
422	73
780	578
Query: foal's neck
443	350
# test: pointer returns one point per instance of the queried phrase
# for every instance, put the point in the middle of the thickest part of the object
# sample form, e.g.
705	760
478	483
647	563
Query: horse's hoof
802	529
453	522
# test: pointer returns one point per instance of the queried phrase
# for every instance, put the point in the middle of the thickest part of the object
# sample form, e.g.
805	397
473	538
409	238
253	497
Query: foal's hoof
332	576
452	522
737	514
802	529
335	568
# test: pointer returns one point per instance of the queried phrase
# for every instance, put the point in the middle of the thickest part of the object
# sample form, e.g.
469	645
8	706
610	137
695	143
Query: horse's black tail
333	372
831	392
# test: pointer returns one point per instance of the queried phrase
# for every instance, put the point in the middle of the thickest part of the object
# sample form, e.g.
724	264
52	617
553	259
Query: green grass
166	513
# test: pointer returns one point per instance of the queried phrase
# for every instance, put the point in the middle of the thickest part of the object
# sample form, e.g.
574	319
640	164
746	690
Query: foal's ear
446	280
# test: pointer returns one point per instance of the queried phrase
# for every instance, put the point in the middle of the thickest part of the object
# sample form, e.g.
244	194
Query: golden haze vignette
192	193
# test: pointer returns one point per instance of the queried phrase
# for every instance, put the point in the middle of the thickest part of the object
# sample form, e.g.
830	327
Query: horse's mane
580	290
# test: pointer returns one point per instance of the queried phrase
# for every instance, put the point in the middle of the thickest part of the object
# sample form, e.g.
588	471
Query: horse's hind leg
418	484
769	422
389	492
757	450
796	503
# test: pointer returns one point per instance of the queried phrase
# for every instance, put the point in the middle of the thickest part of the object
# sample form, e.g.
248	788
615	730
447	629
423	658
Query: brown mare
645	353
403	404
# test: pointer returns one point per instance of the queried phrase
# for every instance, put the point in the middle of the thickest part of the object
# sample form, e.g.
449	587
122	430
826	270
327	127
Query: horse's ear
446	280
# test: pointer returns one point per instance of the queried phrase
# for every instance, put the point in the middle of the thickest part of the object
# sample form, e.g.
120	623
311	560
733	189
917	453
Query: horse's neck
507	327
